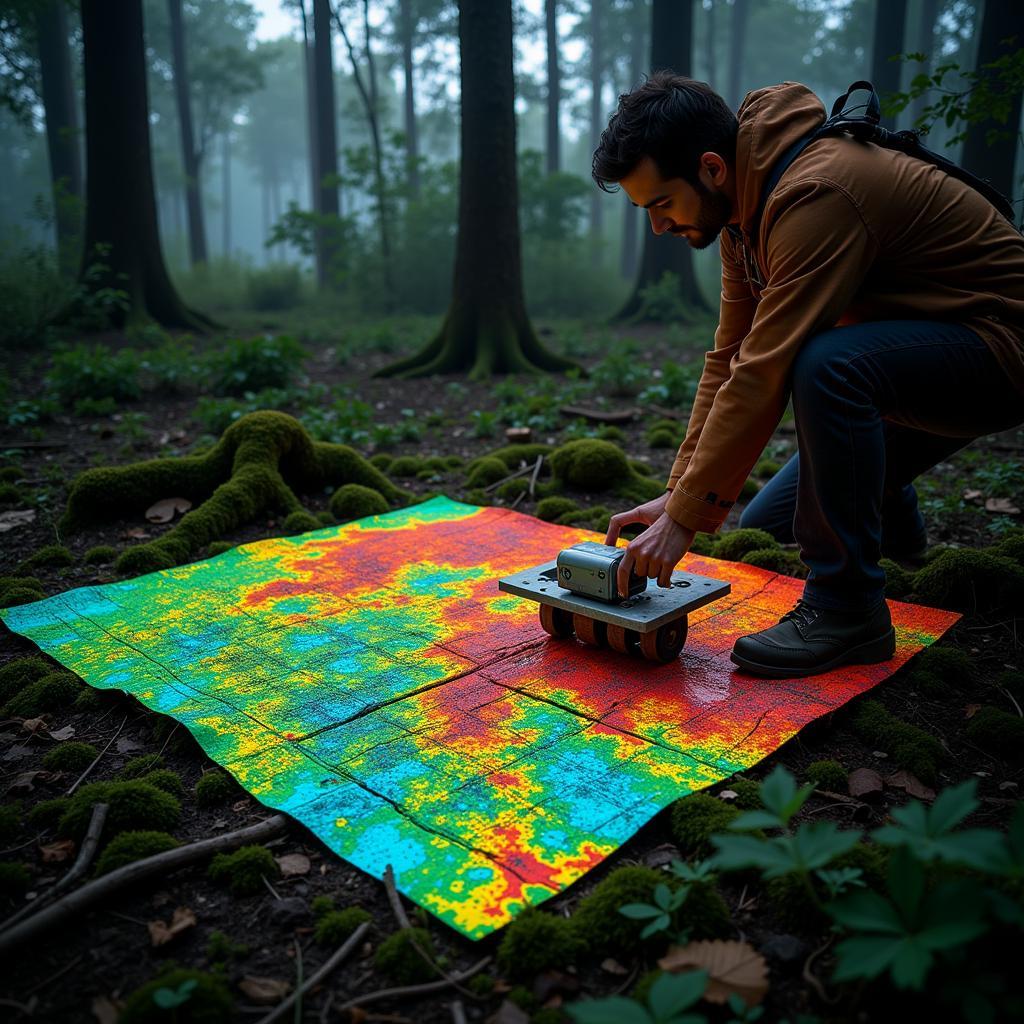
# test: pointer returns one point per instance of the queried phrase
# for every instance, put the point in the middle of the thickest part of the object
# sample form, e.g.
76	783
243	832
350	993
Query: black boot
809	640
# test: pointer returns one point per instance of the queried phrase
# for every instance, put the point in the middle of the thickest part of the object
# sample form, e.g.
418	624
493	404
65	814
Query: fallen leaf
728	794
971	494
125	745
135	533
24	782
34	724
263	991
106	1010
864	782
971	710
63	734
160	933
1002	505
54	853
166	509
509	1013
240	805
910	784
293	864
15	518
731	966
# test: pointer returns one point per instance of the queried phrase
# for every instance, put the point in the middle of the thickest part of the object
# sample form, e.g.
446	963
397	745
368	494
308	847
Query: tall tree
61	108
189	156
326	144
311	117
632	218
597	56
122	241
486	329
671	48
992	144
407	31
927	14
553	154
890	17
737	50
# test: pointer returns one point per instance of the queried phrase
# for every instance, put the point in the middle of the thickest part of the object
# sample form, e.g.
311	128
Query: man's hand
657	551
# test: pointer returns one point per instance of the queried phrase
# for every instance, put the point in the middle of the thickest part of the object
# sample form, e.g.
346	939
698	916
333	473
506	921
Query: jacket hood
770	121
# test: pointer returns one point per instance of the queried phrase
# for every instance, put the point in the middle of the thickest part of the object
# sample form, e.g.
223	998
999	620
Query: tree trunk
61	108
631	216
408	30
326	142
122	241
553	154
189	157
226	194
995	160
486	329
671	47
737	49
925	44
890	17
709	48
596	121
311	121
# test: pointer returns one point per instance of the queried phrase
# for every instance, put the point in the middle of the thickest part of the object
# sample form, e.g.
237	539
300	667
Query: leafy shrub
274	287
252	364
95	372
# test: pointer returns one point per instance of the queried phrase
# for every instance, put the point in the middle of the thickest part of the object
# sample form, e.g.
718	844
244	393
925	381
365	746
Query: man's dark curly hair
670	118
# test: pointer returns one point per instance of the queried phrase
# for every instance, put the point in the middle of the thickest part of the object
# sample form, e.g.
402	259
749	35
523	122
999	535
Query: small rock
784	948
661	855
1007	785
288	911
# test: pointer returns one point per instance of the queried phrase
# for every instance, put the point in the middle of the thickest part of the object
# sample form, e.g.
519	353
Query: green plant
95	372
553	508
910	747
165	779
732	546
129	847
597	920
55	555
243	870
590	464
220	949
274	287
249	364
828	775
52	692
397	956
47	813
668	999
179	996
695	818
70	757
99	555
215	787
335	926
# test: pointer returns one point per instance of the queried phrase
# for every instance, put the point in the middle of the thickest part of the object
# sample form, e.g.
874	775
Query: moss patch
215	788
335	926
256	468
14	879
53	556
486	471
732	546
139	766
21	672
695	818
590	464
208	1002
243	870
355	501
551	509
597	920
998	732
52	692
99	555
19	590
536	941
830	775
398	959
129	847
298	522
911	748
967	581
777	560
70	757
134	806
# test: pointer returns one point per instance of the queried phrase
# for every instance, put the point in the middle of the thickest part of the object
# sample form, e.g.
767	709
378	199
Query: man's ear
715	167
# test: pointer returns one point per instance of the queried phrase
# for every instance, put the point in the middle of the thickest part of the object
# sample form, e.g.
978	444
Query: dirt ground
84	968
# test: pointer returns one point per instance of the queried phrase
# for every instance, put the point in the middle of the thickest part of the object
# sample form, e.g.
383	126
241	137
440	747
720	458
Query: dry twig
96	759
414	990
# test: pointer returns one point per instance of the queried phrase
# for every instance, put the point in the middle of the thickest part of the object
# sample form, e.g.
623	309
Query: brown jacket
851	233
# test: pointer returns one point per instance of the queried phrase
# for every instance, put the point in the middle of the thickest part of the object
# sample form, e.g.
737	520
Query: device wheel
590	631
556	622
665	643
621	639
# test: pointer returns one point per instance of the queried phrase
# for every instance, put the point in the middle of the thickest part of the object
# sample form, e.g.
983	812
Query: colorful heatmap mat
371	681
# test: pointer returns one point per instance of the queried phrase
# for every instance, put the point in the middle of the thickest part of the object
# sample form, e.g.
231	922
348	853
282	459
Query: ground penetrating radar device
577	593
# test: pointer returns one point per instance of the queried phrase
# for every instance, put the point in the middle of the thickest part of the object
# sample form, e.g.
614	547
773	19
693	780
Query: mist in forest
303	147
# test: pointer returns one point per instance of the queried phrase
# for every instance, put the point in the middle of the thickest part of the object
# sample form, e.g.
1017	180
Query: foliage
182	996
274	287
93	372
667	1000
243	870
243	365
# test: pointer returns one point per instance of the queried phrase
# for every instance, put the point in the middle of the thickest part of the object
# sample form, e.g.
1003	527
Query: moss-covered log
256	468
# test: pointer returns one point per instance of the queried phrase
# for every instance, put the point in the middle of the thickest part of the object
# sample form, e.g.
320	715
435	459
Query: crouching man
883	295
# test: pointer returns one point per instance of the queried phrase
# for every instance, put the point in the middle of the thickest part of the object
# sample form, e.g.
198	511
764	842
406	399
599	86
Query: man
884	296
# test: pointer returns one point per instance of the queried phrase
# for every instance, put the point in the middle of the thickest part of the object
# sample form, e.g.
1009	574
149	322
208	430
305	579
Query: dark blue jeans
875	404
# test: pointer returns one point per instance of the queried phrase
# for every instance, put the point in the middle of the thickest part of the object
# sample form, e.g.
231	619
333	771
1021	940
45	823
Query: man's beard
715	211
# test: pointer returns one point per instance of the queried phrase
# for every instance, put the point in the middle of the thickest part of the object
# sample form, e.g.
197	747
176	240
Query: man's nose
659	224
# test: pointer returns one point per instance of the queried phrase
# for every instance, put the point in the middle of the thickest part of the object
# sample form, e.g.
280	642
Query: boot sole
880	649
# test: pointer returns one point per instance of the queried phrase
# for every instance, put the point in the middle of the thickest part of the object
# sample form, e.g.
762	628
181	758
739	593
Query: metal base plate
643	613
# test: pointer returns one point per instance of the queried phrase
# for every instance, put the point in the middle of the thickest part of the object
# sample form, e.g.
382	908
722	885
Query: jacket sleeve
736	314
818	253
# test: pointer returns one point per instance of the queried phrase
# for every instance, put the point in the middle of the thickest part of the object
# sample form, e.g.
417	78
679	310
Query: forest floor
85	969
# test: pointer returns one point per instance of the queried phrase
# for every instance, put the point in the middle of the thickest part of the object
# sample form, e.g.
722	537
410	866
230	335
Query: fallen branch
415	990
82	861
535	474
19	938
96	759
617	416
